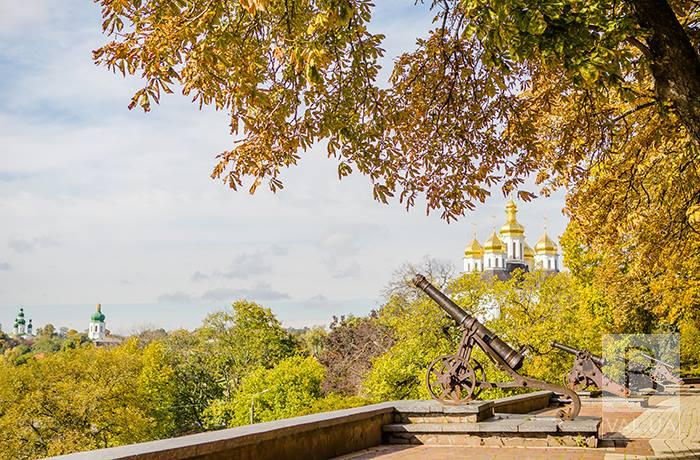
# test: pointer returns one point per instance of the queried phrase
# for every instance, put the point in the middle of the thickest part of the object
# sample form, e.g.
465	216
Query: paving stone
472	408
500	426
414	428
538	426
582	424
513	441
610	401
468	427
472	441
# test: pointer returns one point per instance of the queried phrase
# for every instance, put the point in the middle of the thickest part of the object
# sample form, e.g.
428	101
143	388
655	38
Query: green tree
642	287
196	378
313	340
422	332
158	387
78	399
286	390
536	309
209	364
243	339
47	331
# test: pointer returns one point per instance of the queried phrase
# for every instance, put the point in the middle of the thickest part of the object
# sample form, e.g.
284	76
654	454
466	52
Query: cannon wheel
451	380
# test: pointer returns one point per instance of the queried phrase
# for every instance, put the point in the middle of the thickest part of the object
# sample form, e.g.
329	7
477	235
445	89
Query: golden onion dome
512	227
545	245
473	249
528	253
494	244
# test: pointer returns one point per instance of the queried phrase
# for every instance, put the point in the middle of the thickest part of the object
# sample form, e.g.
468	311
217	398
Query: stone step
429	411
514	430
615	402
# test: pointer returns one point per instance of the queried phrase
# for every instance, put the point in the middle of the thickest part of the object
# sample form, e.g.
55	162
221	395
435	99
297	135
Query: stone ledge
434	407
432	428
510	424
423	411
614	401
246	439
523	403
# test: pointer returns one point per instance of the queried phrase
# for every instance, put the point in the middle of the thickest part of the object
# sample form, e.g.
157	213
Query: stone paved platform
669	428
477	424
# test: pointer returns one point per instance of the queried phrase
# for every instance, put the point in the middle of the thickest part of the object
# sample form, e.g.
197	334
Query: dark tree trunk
674	63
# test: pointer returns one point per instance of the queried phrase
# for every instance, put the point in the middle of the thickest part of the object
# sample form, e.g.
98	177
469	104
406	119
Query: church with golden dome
507	250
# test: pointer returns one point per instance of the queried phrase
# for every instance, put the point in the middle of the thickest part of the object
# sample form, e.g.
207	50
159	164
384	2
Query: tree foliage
80	399
60	394
270	394
245	338
493	93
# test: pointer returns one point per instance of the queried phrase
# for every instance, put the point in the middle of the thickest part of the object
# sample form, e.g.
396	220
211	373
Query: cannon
459	378
587	371
660	372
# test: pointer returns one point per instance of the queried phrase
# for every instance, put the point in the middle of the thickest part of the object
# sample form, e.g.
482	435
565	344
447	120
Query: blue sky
103	204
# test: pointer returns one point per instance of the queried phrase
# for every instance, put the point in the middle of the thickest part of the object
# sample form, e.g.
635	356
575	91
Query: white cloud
260	292
317	301
248	265
340	269
176	298
23	246
199	276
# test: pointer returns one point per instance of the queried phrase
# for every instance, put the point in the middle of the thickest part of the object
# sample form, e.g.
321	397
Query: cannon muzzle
466	321
574	351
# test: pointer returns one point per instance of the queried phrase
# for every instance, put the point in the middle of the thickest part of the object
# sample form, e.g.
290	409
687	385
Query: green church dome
20	317
98	316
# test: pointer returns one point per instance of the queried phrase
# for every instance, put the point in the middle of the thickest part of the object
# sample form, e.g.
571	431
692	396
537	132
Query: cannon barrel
574	351
466	321
657	361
